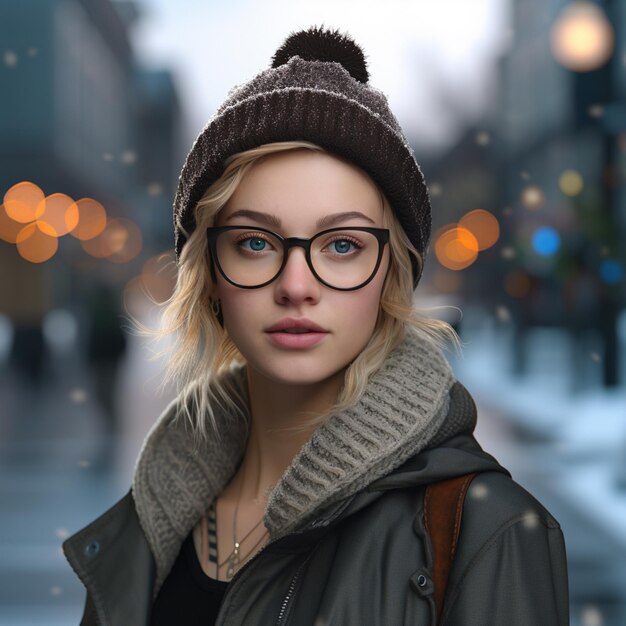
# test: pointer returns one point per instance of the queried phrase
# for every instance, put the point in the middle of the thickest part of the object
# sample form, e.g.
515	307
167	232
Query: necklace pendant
229	572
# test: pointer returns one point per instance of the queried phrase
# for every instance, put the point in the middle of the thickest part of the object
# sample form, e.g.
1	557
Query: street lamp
582	38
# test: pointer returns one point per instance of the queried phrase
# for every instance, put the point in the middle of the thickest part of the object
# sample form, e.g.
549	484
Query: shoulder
495	498
497	507
511	562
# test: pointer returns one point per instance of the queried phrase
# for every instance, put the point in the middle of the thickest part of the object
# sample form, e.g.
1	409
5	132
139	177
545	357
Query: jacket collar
399	414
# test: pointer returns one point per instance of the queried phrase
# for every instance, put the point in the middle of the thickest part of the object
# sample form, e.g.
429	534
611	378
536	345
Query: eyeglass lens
343	259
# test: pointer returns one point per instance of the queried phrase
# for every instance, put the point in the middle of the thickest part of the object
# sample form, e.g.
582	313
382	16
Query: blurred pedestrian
315	465
106	346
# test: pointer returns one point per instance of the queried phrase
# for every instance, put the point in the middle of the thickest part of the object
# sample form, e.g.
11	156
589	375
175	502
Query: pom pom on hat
320	44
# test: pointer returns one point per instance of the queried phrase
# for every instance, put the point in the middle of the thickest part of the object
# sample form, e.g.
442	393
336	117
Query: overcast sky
416	51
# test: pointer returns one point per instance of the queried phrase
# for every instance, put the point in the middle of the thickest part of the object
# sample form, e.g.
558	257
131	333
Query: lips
296	333
296	340
296	323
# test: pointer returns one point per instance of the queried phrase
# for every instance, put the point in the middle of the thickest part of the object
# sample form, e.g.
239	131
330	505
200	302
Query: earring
216	306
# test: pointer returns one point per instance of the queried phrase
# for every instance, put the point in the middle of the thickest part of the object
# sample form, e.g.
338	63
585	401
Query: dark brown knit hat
315	90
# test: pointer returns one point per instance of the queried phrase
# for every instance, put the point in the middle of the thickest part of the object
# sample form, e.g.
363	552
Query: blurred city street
60	467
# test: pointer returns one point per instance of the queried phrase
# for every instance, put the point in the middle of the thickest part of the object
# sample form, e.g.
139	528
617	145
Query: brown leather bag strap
443	508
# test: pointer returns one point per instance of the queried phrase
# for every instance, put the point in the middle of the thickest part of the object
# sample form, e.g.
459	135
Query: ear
214	293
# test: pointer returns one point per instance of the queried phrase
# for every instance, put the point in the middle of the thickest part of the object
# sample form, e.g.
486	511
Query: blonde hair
203	351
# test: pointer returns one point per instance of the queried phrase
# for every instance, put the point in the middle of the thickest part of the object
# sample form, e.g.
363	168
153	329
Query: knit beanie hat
315	90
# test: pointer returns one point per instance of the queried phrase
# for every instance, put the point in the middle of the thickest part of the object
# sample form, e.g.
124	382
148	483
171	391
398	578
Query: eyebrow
272	220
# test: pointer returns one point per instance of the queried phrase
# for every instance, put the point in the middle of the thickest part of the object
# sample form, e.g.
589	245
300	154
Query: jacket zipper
287	598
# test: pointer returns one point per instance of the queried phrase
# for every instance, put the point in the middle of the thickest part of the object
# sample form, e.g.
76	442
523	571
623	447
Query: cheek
239	306
358	311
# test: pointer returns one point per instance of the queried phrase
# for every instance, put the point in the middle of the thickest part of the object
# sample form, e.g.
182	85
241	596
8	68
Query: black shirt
188	597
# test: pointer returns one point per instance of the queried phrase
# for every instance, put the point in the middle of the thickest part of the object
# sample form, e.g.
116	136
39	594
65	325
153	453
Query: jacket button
92	548
422	582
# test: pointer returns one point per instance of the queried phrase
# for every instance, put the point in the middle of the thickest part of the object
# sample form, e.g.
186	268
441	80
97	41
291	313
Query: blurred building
557	126
78	116
549	162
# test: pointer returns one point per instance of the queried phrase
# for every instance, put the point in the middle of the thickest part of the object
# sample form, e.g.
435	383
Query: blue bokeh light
546	241
611	271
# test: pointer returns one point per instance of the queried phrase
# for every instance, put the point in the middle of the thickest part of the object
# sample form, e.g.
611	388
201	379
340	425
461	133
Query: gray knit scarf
403	406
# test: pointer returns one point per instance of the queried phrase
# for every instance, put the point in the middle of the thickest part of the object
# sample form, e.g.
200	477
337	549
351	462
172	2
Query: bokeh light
596	111
571	182
508	252
611	271
483	225
129	234
90	218
503	313
120	241
456	248
108	242
582	38
10	58
546	241
57	212
22	202
532	197
8	227
591	615
483	138
435	189
37	242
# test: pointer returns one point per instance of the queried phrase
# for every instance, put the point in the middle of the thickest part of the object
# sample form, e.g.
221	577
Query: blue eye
344	245
256	243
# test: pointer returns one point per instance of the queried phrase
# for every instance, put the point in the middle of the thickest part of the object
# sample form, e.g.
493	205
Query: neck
274	405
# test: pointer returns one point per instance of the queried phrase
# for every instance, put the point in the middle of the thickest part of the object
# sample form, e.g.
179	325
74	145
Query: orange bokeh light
108	242
133	241
119	242
37	242
22	202
58	212
9	228
483	225
89	217
456	248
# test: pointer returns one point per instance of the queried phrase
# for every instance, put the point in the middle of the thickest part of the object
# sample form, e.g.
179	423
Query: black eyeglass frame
381	234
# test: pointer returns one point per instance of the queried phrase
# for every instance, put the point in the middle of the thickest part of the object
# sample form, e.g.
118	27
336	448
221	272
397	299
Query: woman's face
300	187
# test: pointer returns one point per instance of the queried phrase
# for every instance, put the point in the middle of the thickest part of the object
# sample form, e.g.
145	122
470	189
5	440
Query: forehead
304	189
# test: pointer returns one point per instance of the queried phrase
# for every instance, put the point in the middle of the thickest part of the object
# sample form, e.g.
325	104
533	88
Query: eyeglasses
341	258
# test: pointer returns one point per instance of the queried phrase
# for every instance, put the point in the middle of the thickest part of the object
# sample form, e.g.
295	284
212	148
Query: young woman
291	480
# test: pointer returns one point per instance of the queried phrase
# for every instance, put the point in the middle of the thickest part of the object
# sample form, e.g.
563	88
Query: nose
297	282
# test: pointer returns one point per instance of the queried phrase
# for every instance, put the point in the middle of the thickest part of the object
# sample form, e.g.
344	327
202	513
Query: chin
296	369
